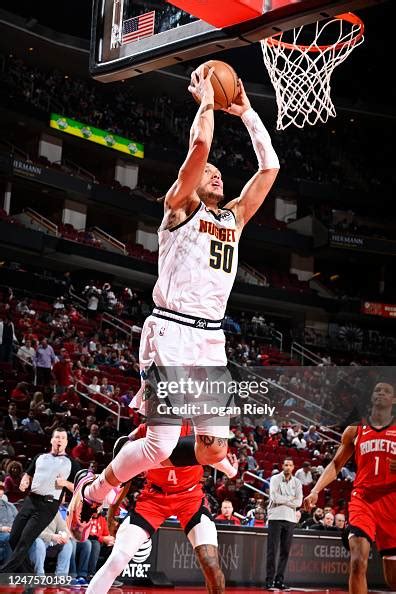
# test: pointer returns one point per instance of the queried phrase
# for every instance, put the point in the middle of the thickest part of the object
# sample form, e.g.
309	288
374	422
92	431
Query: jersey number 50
221	256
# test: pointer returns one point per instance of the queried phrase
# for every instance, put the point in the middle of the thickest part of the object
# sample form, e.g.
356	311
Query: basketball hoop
301	74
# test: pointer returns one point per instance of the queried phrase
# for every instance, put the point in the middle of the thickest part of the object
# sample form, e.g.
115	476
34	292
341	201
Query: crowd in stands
160	122
80	366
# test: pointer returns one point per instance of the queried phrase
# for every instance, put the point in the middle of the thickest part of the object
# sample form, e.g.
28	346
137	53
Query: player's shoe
80	511
119	444
280	586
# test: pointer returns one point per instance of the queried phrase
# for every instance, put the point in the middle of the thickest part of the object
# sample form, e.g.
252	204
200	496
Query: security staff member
285	497
52	473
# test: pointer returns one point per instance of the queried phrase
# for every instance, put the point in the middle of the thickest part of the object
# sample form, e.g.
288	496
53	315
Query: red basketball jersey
374	448
173	479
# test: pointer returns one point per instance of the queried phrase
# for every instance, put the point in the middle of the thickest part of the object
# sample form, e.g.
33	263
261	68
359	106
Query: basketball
224	81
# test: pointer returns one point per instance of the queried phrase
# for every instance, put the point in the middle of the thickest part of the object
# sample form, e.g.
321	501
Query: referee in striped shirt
49	474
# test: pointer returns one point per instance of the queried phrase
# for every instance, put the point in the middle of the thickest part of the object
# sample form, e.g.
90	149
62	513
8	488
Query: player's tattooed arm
209	561
208	441
182	195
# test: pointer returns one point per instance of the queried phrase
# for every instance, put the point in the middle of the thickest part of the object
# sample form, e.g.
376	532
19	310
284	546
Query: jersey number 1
221	255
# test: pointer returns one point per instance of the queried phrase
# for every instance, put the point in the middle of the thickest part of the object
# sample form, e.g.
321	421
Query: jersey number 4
221	255
172	478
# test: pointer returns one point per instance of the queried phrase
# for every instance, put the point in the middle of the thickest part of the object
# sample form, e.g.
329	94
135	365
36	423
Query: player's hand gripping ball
223	79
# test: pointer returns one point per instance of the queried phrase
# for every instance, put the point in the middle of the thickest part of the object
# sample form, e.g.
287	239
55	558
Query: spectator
326	524
12	481
88	422
94	387
21	392
62	371
6	449
70	398
32	424
299	441
7	338
26	353
82	452
99	535
126	398
108	432
314	520
44	360
252	443
37	403
54	541
8	513
347	472
312	436
293	432
106	388
73	436
11	422
304	474
94	440
339	521
226	516
239	441
258	518
92	294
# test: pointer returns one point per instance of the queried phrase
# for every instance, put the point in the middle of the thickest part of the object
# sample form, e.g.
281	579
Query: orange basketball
224	81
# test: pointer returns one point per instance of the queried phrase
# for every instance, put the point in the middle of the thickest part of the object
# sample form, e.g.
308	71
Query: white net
300	70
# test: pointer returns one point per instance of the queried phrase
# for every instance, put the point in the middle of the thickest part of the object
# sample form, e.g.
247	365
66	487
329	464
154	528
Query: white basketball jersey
197	264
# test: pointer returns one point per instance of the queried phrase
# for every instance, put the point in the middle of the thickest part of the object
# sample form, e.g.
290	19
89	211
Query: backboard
131	37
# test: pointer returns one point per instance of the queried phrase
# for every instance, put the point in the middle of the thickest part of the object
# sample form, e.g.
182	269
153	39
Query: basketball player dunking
198	249
373	501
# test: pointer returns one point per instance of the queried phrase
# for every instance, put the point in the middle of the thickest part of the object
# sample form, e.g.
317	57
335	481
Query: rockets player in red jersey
168	491
372	515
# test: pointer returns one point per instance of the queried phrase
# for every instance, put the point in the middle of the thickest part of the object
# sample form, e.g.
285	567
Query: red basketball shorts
155	508
376	518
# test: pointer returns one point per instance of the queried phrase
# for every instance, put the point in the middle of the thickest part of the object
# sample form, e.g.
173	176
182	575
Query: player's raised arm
183	190
257	188
342	455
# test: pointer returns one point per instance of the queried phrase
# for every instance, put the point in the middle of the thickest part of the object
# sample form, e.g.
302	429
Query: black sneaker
117	447
269	585
281	586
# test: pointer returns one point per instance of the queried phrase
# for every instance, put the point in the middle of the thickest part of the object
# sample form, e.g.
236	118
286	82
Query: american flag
138	27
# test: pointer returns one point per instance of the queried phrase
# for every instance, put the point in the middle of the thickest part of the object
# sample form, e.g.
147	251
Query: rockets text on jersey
197	264
374	449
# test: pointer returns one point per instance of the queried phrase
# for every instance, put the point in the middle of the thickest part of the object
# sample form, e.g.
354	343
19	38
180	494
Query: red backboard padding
221	13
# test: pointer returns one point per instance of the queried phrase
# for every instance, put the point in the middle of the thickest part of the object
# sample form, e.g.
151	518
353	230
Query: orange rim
347	16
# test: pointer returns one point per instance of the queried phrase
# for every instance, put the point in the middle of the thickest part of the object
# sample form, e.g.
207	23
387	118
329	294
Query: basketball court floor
178	590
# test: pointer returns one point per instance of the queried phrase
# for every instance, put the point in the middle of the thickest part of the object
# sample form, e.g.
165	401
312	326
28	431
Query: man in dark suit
11	421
